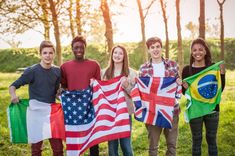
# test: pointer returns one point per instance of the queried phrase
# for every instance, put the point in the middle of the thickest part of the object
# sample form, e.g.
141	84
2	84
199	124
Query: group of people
46	81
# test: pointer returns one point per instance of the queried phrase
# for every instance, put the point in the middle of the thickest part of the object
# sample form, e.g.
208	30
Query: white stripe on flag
38	121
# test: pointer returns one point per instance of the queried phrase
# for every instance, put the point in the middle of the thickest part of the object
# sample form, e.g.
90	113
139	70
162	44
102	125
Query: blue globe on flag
208	86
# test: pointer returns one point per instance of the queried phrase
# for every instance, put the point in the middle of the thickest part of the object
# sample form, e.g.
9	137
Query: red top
76	75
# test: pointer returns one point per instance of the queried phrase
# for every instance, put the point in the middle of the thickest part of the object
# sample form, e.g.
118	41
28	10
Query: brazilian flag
204	92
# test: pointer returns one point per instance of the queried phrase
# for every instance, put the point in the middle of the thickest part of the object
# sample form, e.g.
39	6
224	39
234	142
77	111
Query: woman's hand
124	82
222	68
185	85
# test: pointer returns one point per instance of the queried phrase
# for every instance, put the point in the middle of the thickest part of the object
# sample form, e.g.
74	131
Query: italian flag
31	121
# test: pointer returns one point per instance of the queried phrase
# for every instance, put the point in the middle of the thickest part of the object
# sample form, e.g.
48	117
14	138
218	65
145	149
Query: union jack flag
154	99
95	117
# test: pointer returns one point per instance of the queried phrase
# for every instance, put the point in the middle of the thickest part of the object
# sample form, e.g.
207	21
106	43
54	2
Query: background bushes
12	59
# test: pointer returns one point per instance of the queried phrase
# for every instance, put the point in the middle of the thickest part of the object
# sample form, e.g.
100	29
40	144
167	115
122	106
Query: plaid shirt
171	70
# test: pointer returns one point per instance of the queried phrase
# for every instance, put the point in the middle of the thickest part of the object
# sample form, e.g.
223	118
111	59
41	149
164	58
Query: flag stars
74	112
74	103
76	107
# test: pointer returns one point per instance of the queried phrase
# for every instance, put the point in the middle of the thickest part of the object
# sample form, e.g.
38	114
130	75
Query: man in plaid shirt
161	67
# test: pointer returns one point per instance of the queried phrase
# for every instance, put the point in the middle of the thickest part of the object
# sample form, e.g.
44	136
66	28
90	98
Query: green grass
225	136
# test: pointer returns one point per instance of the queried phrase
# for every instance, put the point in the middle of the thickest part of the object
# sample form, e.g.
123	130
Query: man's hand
12	92
179	81
14	99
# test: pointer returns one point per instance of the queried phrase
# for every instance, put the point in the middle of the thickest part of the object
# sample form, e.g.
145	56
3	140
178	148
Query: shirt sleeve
25	78
222	81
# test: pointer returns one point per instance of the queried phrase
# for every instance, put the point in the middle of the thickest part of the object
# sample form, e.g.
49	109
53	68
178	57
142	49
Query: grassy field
225	138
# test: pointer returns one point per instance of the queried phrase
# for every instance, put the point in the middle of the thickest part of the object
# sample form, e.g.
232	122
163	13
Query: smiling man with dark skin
76	73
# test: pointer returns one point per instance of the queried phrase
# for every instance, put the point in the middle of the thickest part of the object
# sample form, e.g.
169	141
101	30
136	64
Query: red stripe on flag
78	133
57	121
167	115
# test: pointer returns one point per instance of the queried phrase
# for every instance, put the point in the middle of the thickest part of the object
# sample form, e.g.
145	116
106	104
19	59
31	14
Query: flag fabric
204	92
95	115
31	121
154	99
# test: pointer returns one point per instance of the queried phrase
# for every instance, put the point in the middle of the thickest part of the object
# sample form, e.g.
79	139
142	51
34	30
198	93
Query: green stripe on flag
17	121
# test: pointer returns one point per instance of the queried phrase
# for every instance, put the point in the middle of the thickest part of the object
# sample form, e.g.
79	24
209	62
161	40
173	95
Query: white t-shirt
158	69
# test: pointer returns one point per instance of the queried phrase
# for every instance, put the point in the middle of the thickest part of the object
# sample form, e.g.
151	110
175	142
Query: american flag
154	99
89	123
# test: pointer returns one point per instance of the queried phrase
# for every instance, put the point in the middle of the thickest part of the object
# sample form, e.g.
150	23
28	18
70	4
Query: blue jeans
211	122
125	145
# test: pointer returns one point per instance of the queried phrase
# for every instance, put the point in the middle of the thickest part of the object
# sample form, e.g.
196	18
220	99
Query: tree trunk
78	17
70	10
108	24
221	29
45	19
56	31
145	53
180	49
202	25
163	6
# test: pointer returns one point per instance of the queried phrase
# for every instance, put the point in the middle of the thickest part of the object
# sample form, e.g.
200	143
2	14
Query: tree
71	21
142	23
45	19
108	24
202	25
56	30
180	49
163	6
21	15
221	3
78	17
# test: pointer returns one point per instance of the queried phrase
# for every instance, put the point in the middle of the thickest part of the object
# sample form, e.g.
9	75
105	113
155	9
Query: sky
128	22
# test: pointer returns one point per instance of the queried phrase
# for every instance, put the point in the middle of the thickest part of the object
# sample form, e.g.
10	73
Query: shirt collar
149	63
